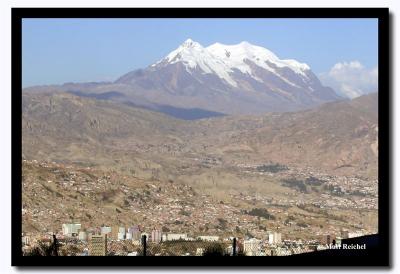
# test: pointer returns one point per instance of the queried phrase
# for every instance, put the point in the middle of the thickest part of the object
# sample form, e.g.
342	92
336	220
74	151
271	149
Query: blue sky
55	51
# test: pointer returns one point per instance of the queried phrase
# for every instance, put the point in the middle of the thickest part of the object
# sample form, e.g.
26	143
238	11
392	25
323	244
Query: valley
305	173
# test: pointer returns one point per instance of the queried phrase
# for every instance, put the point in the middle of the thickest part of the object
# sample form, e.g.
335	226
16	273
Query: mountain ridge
62	126
222	79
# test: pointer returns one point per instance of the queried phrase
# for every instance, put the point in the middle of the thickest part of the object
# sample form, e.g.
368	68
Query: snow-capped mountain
238	56
223	60
214	80
241	78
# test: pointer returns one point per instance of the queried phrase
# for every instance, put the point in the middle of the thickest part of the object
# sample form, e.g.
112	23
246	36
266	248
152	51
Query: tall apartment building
274	238
136	231
98	245
121	233
114	232
251	247
82	235
156	235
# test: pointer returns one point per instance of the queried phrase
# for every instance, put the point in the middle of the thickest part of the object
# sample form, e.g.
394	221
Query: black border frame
379	257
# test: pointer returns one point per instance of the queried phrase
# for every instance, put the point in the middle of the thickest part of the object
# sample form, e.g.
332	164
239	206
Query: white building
156	236
274	238
26	240
105	229
128	236
121	233
209	238
174	237
199	251
70	229
82	235
251	247
355	234
135	242
121	236
135	230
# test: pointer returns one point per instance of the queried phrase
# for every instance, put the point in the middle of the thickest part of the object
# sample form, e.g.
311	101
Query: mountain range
264	136
194	82
337	137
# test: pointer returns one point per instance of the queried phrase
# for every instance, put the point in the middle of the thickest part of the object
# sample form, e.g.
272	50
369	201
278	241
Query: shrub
314	181
214	250
261	212
296	184
43	249
273	168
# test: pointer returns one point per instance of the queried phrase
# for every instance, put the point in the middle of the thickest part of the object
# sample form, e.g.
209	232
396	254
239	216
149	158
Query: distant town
175	214
74	240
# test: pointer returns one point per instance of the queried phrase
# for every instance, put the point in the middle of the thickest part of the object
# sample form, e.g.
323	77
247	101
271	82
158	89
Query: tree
214	250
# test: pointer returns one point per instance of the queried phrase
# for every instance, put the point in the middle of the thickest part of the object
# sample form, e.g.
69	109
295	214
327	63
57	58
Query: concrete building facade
98	245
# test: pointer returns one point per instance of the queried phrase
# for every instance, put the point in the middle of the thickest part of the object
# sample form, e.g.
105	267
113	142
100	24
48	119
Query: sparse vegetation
302	224
215	250
314	181
261	212
107	172
296	184
273	168
185	213
334	190
43	249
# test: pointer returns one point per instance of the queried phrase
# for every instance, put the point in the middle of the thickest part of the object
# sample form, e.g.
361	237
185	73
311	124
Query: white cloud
351	79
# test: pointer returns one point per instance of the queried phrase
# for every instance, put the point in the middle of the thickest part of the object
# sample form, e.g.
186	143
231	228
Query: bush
273	168
302	224
334	190
314	181
222	223
185	213
296	184
214	250
43	249
261	212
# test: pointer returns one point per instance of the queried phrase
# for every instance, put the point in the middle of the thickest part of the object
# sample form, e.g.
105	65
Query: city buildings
327	239
251	247
82	235
98	245
70	230
135	231
208	238
355	234
156	236
344	234
144	234
105	230
174	237
274	238
114	232
128	236
26	240
121	233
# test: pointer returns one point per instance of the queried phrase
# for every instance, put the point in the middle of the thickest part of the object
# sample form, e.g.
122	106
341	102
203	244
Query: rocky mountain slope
106	163
339	136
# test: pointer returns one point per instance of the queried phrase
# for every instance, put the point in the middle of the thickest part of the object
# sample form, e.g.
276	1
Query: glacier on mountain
223	60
